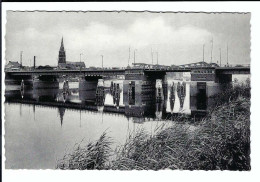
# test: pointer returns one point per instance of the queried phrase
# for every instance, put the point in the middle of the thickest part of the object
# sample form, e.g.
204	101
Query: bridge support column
16	83
139	87
45	82
87	88
139	91
223	78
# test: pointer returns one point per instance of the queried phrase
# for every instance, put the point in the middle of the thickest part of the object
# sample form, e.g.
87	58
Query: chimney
34	61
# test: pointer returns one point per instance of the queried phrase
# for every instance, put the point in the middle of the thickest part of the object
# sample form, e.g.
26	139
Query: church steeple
62	46
62	53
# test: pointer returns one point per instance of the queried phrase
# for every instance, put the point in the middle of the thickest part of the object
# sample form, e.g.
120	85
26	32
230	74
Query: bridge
100	72
139	84
111	72
232	70
42	77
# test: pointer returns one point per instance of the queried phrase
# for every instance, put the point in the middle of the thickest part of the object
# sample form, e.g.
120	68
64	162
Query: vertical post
211	50
152	54
227	54
80	62
21	58
220	56
128	55
157	57
102	61
34	62
134	54
203	51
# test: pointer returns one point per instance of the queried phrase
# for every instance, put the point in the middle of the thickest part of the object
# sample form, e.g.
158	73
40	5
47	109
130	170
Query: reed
92	156
221	141
232	92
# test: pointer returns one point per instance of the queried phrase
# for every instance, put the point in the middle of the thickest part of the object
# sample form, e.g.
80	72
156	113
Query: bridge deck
109	72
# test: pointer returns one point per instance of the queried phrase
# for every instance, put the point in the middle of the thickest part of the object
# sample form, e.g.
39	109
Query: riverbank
220	141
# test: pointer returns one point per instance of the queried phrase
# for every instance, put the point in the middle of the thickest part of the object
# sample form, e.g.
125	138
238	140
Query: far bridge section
86	72
49	79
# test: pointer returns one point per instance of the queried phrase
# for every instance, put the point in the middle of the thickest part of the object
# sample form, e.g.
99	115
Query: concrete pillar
14	82
45	82
87	88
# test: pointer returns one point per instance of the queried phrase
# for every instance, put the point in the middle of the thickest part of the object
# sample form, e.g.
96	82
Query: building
63	64
75	65
12	65
62	53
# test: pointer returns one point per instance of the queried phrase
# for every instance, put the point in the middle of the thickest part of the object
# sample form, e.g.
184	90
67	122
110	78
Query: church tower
62	54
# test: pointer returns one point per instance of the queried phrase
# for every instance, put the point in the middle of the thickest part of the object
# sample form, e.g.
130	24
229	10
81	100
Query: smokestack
34	60
21	58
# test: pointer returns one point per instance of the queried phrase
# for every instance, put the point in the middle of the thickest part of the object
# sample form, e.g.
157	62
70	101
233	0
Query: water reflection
61	111
181	92
153	100
171	97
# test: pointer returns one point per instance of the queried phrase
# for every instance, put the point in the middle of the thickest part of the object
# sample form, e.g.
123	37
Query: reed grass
221	141
92	156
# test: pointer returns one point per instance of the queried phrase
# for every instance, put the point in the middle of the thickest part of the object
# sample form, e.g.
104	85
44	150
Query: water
38	135
41	125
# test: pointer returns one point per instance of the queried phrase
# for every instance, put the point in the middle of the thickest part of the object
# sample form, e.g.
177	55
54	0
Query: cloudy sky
177	37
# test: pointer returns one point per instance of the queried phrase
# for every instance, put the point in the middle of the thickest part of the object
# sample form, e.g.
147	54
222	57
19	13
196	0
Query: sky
177	38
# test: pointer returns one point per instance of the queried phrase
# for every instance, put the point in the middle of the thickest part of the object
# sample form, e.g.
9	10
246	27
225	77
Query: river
38	134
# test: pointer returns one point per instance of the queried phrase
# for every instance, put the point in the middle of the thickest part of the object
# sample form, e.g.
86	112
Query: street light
80	56
134	54
80	61
102	60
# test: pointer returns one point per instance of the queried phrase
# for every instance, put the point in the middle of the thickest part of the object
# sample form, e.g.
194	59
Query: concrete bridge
85	72
139	84
112	72
145	77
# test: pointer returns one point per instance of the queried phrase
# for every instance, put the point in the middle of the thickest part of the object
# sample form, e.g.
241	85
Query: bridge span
139	85
111	72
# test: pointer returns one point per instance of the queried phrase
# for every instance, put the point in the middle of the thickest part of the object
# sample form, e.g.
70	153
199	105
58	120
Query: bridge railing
235	65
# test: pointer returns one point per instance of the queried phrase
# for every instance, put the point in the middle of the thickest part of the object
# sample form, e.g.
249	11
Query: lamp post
220	56
80	61
134	54
157	57
128	55
211	50
227	55
102	61
203	51
80	57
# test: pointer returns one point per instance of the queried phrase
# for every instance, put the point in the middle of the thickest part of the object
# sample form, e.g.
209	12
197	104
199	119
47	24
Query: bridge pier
205	84
88	87
223	78
13	82
139	87
45	82
139	91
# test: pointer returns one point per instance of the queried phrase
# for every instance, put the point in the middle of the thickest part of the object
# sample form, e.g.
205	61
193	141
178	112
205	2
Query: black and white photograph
127	90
